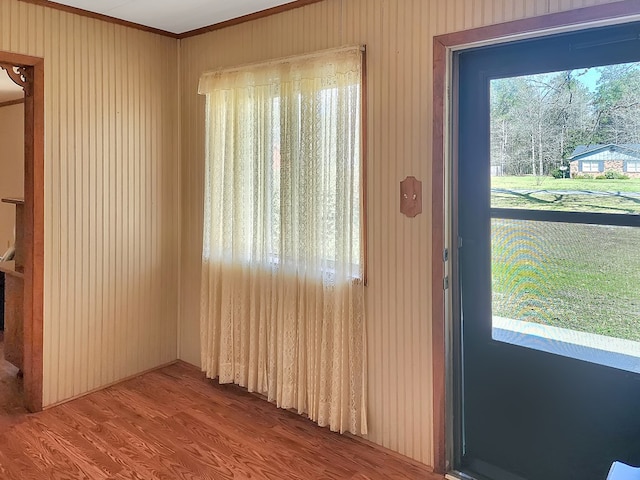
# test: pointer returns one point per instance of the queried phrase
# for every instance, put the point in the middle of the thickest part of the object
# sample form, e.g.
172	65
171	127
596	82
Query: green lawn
547	193
549	183
581	277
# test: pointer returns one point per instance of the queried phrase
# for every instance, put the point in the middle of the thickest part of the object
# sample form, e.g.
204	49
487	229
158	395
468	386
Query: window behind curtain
284	164
282	309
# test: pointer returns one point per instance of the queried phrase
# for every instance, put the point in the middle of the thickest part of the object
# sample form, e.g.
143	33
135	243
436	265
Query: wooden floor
11	393
173	424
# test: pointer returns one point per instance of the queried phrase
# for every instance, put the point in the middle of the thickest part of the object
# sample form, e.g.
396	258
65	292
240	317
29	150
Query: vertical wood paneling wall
399	37
111	195
123	186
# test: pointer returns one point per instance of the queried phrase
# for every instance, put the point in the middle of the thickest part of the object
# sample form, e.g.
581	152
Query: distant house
597	159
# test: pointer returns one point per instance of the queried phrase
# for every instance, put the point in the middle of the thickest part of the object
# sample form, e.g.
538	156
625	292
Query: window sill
599	349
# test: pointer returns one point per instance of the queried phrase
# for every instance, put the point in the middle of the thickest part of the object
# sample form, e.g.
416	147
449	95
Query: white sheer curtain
282	299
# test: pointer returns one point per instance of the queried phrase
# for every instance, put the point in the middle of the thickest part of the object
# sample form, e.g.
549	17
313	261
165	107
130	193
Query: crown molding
99	16
191	33
249	17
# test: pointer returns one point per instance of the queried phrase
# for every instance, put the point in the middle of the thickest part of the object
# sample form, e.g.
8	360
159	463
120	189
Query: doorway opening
23	261
565	145
12	129
569	378
542	263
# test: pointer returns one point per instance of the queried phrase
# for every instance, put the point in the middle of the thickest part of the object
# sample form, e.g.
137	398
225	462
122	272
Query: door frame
444	194
33	310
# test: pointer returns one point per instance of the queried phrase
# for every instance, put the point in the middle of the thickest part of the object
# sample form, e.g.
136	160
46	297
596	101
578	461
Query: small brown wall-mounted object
411	196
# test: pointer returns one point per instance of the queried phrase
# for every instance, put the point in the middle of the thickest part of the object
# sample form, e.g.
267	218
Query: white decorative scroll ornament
21	76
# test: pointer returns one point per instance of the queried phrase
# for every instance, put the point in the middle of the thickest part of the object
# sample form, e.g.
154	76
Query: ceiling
175	16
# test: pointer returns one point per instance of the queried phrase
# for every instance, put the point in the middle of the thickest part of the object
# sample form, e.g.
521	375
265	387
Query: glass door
548	291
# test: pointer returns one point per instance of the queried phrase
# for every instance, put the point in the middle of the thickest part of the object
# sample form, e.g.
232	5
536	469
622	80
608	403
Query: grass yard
530	182
580	277
568	194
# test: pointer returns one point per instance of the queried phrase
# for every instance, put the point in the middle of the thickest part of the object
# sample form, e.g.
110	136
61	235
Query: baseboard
357	438
188	365
126	379
392	453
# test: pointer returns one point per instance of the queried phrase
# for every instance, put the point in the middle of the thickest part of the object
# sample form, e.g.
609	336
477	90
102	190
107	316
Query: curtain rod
287	59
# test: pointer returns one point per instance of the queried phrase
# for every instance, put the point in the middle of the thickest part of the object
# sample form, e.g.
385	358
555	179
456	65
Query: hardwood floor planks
173	424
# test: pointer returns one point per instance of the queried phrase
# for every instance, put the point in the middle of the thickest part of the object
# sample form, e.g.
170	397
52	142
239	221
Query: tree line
538	120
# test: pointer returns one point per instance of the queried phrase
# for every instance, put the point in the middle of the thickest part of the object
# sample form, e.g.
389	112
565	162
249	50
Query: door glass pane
570	289
567	141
